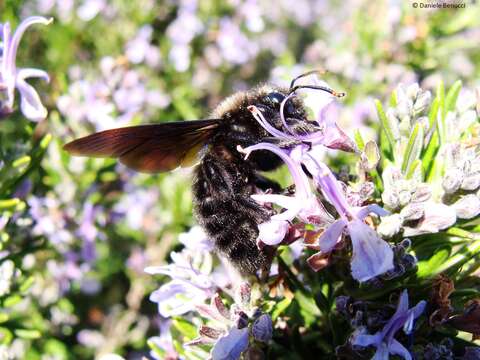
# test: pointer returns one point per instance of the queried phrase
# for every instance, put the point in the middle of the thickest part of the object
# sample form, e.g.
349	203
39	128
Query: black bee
223	180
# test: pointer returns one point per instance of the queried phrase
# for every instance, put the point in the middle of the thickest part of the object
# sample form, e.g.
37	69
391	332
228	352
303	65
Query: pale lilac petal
257	114
328	183
6	62
371	256
402	317
177	298
402	306
313	212
334	137
152	270
365	340
413	314
381	353
467	207
363	211
231	346
398	349
173	270
317	101
419	309
282	113
331	236
302	187
26	73
12	51
273	232
291	203
30	102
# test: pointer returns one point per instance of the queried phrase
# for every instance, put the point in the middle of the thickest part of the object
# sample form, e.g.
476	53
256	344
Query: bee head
293	108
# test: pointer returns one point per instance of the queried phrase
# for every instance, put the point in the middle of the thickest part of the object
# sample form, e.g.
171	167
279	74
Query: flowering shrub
375	237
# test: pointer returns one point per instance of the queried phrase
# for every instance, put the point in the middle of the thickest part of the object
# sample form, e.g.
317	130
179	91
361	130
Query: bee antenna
317	87
318	71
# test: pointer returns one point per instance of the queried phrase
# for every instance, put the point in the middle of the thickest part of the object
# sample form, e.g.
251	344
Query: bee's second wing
148	148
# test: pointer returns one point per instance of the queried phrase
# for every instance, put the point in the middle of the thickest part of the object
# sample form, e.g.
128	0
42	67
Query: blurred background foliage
77	233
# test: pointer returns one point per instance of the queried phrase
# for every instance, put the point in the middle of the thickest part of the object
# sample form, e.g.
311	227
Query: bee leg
269	252
302	127
265	183
283	143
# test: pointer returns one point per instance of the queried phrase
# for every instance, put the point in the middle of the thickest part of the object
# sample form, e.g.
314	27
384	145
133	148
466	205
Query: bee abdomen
229	217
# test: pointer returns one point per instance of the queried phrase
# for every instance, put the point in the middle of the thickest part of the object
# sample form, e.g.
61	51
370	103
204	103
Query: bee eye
275	98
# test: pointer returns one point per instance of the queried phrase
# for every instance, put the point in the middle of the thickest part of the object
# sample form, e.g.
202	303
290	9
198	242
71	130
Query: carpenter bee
223	180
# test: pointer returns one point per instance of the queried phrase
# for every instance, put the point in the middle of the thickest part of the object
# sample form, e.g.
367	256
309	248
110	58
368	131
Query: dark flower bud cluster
377	328
403	261
437	351
471	353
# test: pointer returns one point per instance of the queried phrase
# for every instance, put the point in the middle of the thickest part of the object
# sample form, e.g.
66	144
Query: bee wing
148	148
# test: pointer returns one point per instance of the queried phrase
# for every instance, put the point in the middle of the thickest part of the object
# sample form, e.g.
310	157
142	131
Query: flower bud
370	156
471	353
422	193
262	328
241	320
412	211
413	91
342	304
404	197
393	123
406	243
422	101
390	225
390	199
471	182
467	207
452	180
436	217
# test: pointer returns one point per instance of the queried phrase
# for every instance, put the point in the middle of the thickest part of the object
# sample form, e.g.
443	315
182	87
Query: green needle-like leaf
386	125
452	95
413	149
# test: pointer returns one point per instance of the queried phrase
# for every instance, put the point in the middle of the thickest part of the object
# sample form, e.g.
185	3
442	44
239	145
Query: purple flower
231	345
192	278
164	341
11	77
384	340
303	204
371	256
